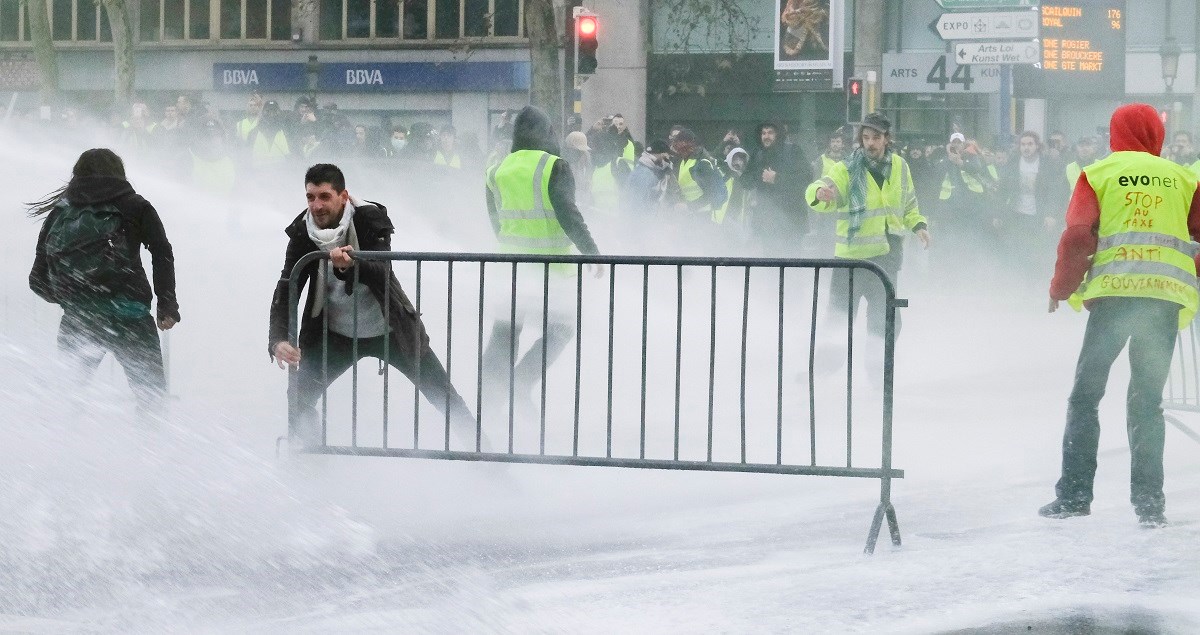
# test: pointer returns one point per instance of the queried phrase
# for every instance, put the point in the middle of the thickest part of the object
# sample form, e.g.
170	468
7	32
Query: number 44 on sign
936	73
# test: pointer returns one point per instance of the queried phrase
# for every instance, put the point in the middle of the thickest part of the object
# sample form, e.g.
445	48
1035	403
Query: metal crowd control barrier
695	336
1183	384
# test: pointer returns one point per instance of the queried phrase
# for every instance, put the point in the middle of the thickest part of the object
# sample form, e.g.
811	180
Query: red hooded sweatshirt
1134	127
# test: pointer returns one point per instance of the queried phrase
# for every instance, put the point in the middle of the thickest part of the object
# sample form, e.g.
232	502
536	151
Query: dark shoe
1152	519
1065	509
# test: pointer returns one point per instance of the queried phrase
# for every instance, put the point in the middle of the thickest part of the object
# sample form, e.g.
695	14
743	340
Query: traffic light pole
572	112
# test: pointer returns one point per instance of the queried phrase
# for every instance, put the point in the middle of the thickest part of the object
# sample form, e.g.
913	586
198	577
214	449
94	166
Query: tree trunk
545	89
37	12
119	17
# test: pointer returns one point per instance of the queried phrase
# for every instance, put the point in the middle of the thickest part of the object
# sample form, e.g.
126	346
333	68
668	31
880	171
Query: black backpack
87	253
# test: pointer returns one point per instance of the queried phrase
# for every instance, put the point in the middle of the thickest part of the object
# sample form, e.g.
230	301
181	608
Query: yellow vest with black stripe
269	152
889	209
520	188
972	183
245	126
1143	249
453	162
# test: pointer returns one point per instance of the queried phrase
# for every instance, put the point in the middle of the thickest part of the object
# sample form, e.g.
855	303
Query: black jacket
793	174
142	226
1050	187
374	230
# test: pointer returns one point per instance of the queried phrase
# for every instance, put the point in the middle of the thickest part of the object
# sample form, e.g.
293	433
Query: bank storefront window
183	20
417	20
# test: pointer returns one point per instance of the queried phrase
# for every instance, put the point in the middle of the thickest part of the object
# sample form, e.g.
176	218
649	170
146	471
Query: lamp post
1169	53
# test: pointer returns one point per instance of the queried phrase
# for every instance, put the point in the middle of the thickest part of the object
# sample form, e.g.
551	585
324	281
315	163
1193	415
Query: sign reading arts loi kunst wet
1083	51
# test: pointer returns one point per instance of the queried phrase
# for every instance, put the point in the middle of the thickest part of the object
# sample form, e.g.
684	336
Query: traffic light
587	28
855	99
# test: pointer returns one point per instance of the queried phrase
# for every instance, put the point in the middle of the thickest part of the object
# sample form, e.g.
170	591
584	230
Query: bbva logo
364	77
239	78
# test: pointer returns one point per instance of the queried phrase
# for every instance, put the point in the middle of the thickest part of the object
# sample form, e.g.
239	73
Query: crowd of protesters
740	194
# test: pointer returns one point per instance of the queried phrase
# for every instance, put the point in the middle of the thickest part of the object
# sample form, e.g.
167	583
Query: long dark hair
94	162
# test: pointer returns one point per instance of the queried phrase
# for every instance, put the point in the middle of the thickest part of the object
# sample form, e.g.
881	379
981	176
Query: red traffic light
587	26
855	88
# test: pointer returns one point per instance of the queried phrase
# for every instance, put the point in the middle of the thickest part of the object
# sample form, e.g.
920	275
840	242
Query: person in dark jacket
776	176
339	224
532	214
117	319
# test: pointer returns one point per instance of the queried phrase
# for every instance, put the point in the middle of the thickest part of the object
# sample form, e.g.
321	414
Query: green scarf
857	165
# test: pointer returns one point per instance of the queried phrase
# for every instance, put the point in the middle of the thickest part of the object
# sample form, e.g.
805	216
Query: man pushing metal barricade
657	382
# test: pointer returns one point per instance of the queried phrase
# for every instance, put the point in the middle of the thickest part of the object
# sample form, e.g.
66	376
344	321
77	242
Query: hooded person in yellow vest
531	203
1128	253
872	193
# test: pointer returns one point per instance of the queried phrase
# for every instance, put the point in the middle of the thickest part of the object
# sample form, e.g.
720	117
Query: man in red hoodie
1130	226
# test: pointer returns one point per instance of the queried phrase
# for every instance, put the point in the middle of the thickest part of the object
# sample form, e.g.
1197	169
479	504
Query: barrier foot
1183	428
884	510
278	444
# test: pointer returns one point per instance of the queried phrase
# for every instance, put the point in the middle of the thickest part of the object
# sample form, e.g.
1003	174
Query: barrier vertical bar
885	510
354	357
645	332
849	361
325	363
712	359
449	340
779	378
512	356
812	370
417	374
386	369
745	333
612	292
678	349
578	353
479	362
545	344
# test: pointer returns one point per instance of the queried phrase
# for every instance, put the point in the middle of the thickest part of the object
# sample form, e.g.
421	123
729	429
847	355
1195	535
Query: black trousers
427	373
868	287
1150	328
85	338
499	365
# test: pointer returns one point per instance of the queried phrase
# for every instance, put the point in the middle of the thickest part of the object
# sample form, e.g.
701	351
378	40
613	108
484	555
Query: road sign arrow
1017	25
998	52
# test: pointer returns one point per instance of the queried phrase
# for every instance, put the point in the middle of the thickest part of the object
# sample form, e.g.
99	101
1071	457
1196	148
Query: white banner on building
808	39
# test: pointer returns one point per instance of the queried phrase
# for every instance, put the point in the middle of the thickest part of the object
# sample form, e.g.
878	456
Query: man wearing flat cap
872	193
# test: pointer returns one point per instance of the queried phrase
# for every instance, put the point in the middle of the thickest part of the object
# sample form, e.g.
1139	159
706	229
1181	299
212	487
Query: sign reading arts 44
936	73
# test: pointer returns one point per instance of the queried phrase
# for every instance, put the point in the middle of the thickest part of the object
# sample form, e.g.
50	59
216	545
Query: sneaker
1152	519
1065	509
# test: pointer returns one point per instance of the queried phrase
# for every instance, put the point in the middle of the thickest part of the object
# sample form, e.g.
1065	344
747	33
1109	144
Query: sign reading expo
1083	50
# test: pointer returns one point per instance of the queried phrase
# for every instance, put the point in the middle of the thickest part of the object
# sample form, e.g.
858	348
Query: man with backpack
88	261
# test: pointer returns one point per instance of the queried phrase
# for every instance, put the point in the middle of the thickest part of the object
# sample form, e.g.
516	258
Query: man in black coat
339	224
776	177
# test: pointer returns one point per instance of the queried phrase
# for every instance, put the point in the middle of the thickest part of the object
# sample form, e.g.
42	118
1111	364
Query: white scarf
327	240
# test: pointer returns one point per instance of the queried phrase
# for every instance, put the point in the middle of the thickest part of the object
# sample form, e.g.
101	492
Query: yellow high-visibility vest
453	162
269	152
1144	249
890	209
520	187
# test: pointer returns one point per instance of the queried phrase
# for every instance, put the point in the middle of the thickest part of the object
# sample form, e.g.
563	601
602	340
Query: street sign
986	4
934	73
990	25
1029	52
